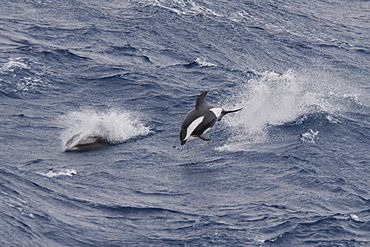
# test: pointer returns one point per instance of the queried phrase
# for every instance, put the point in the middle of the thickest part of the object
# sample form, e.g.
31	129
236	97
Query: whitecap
25	75
309	136
354	217
332	119
12	64
51	174
203	63
183	7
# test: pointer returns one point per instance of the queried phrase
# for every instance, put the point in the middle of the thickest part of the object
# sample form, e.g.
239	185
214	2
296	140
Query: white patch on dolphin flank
193	126
217	111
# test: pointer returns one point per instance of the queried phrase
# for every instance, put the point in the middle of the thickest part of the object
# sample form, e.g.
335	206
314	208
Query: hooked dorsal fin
200	99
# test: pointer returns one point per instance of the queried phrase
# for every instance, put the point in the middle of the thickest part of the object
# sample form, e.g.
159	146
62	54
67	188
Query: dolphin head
183	135
189	126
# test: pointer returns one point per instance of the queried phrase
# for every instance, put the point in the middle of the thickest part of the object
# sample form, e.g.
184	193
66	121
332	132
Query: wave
23	76
114	126
13	64
185	7
340	228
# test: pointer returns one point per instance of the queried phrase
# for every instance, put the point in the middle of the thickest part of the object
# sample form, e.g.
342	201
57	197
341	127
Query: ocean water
291	169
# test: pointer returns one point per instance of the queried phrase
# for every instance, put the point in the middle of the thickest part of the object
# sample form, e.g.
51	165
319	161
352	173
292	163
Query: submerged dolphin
201	119
83	141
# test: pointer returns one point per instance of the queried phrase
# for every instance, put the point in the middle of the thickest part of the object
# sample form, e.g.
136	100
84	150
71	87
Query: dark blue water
291	169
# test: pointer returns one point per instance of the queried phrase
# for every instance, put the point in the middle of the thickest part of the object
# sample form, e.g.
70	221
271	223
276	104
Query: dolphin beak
183	142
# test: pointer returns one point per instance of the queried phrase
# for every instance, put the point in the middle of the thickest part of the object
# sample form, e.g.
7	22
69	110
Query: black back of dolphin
200	119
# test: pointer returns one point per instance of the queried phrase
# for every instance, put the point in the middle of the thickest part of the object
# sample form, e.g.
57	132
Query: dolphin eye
183	128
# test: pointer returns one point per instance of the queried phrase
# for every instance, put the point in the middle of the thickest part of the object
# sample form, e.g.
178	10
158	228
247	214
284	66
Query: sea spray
114	126
270	99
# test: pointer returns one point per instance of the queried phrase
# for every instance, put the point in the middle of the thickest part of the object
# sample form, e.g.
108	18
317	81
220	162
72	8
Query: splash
272	99
114	126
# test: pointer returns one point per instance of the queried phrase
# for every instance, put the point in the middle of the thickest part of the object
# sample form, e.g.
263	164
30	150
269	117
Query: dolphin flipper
207	139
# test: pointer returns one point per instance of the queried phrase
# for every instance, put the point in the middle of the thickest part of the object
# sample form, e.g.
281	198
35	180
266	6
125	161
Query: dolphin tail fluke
227	112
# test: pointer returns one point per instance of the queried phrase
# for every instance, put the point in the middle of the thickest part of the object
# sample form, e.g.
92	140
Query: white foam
354	217
13	64
35	80
115	126
332	119
309	136
203	63
183	7
51	174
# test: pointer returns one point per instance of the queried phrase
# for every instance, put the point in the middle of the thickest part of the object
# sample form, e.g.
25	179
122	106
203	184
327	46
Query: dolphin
83	140
201	119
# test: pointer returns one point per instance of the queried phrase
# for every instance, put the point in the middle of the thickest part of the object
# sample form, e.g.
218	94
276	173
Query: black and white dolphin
201	119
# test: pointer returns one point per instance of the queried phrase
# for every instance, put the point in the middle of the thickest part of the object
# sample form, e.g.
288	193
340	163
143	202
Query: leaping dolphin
201	119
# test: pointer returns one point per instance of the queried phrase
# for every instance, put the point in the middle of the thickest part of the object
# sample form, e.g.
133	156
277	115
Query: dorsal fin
200	99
